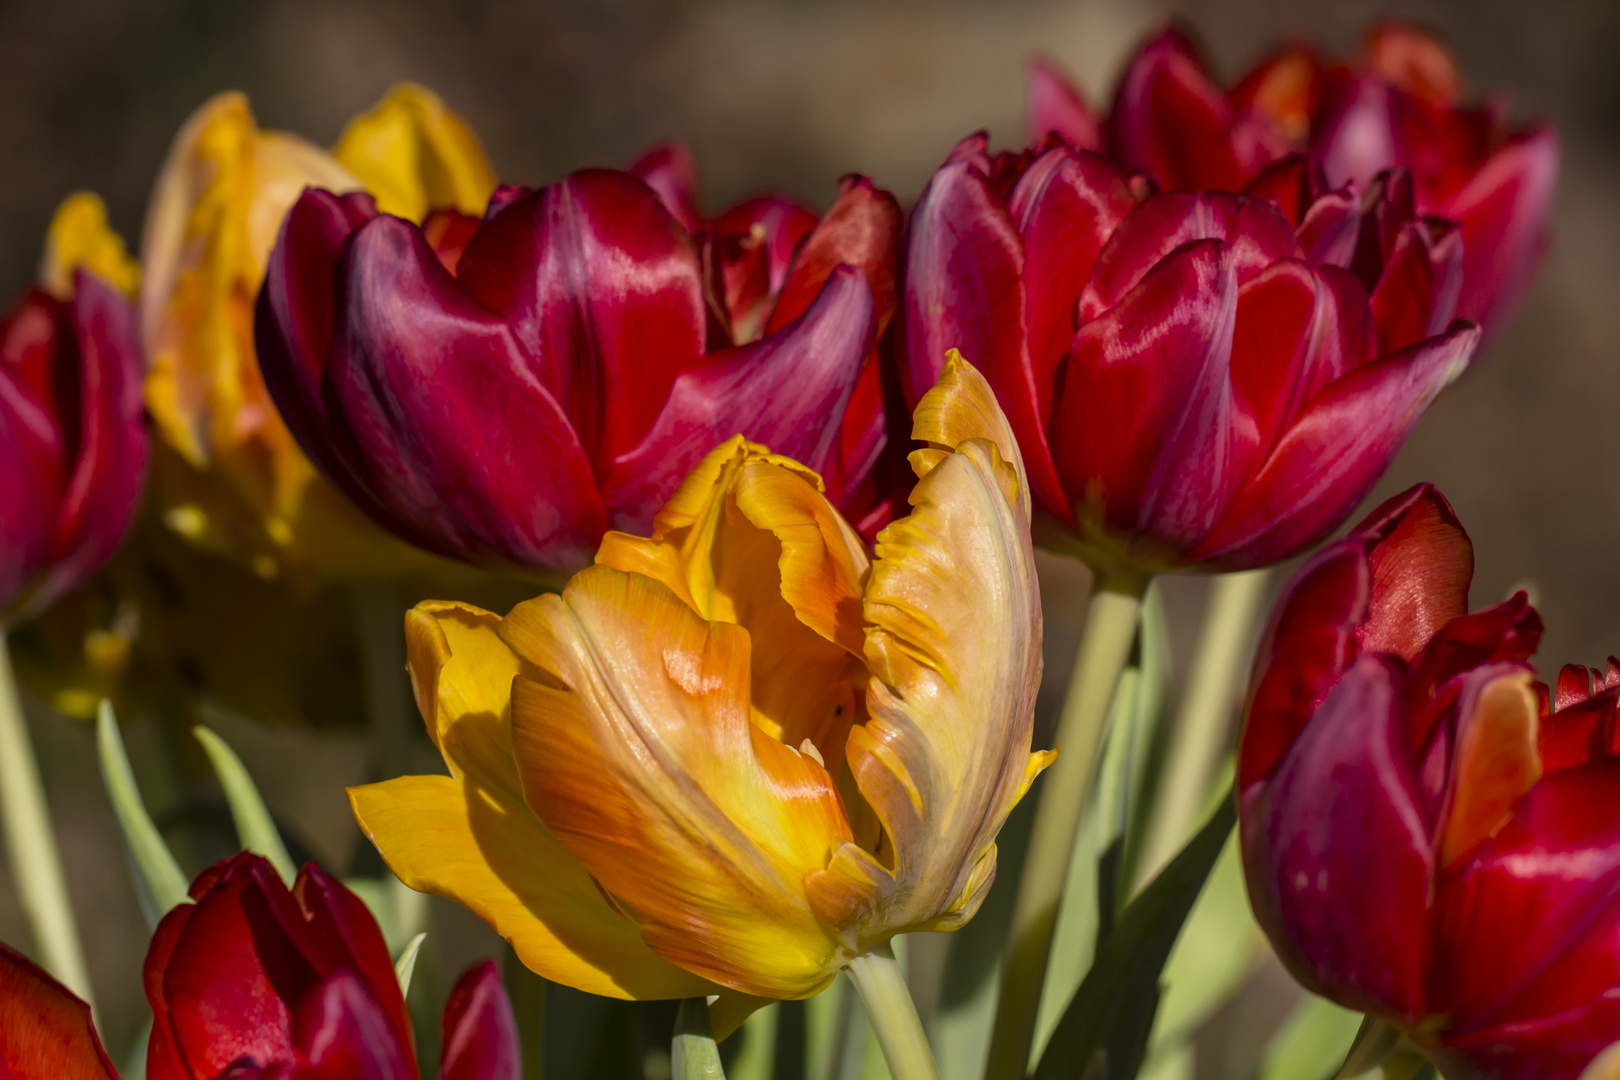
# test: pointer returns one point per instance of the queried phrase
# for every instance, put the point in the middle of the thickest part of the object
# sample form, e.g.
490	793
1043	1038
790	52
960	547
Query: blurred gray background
791	95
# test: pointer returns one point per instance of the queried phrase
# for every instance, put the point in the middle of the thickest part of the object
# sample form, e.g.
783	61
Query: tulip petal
752	246
1543	1049
1503	211
954	647
1271	346
31	441
1332	454
964	291
1337	853
346	932
472	838
1144	429
636	749
480	1040
1254	229
1057	108
1172	122
670	171
1495	761
1529	929
342	1032
604	289
415	155
450	428
45	1031
787	391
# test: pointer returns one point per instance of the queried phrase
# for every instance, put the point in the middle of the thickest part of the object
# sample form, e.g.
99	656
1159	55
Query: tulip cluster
782	472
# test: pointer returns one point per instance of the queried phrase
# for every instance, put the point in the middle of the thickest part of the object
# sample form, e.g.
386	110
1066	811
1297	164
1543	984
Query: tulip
1197	380
264	979
558	383
45	1031
768	258
1397	106
229	476
739	754
72	443
1428	834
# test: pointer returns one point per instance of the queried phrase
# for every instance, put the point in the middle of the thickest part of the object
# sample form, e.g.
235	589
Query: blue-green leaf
254	827
160	876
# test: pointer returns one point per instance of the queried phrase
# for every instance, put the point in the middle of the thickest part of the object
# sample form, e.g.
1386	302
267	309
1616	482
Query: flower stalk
1105	647
1203	721
882	986
36	863
693	1053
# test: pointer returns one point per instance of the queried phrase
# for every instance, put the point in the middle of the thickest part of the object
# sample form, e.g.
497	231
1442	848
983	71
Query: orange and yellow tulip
743	752
228	475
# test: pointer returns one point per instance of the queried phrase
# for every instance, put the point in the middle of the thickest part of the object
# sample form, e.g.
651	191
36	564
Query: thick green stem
380	617
1105	647
882	985
36	864
1196	742
693	1053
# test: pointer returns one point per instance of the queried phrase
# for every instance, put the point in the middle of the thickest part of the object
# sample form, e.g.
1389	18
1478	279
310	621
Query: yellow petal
635	746
471	838
81	236
1496	763
748	538
414	154
954	648
961	406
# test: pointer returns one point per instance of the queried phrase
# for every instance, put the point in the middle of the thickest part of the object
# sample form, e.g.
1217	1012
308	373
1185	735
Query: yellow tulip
227	473
740	753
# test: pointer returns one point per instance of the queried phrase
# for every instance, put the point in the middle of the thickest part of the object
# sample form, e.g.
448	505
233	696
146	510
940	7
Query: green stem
380	616
1203	722
1105	647
882	985
36	864
693	1053
1377	1048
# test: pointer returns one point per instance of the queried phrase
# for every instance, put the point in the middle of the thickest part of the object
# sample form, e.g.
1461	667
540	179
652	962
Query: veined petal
471	837
954	646
635	746
414	155
45	1032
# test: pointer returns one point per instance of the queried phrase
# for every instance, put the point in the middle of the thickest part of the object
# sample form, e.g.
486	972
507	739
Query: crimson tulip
1429	835
45	1030
767	259
509	396
1398	105
1197	380
255	980
72	441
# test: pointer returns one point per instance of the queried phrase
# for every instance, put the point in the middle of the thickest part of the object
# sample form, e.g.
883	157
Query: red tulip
1430	836
1396	107
1196	380
45	1031
767	260
254	980
561	382
72	441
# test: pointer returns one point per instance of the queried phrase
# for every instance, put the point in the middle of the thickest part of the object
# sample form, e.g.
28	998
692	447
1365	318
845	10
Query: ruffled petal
635	746
45	1031
954	647
471	837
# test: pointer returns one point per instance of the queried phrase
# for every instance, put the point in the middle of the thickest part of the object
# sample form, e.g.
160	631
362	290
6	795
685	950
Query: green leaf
1104	1032
405	966
254	827
160	876
1312	1042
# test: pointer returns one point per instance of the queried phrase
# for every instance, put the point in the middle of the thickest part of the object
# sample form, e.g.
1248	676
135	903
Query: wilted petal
480	1039
471	837
954	650
1333	453
1337	854
45	1032
603	289
787	391
415	155
635	746
1056	107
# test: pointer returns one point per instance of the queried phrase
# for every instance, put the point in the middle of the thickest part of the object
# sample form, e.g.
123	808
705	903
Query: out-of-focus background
791	95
